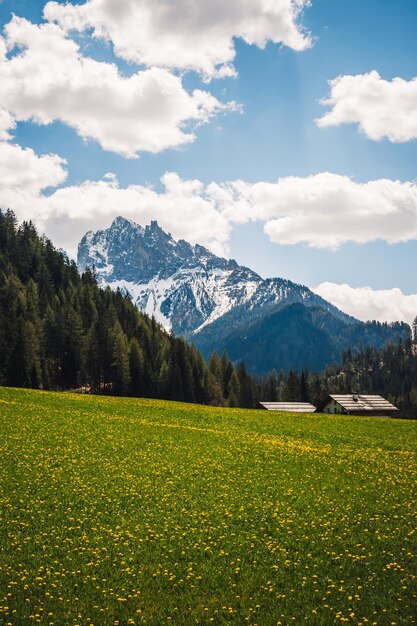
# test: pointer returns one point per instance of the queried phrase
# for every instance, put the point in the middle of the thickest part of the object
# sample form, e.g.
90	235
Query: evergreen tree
233	390
213	389
270	387
248	392
136	366
227	371
292	387
304	391
163	380
120	365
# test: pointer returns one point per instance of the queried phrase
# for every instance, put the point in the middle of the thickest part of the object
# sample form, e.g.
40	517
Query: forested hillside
293	336
60	330
390	372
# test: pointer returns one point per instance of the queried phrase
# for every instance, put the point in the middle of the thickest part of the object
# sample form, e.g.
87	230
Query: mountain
185	287
218	304
293	336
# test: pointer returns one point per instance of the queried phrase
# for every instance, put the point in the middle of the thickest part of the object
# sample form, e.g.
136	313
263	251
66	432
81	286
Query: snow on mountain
185	287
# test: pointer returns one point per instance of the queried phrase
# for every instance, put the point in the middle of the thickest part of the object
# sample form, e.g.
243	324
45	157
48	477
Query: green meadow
118	511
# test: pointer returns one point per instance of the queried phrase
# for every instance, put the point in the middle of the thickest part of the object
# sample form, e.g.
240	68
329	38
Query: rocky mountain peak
185	286
154	232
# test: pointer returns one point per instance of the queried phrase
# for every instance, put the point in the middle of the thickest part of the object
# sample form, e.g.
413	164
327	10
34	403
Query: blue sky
271	133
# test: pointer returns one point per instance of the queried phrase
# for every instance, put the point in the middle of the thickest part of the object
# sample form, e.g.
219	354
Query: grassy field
125	511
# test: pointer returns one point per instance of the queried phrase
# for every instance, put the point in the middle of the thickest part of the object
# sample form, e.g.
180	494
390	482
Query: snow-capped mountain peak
186	287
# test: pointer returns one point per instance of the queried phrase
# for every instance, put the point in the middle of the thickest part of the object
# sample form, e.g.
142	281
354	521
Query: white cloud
324	210
48	79
24	175
381	108
197	35
7	124
364	303
182	208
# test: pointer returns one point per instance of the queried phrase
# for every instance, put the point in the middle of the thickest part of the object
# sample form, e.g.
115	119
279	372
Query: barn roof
294	407
359	402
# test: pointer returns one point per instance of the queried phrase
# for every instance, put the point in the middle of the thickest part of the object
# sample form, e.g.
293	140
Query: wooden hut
358	404
289	407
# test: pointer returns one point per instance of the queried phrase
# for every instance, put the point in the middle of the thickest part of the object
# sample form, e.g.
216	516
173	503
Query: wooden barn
290	407
358	404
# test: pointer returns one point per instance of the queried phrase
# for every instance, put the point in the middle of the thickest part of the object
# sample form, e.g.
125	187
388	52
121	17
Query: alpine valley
220	305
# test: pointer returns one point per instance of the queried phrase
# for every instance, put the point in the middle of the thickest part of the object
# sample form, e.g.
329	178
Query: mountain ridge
163	275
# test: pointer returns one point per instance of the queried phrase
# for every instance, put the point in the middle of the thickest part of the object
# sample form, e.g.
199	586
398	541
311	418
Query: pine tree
184	364
214	389
31	364
292	387
304	391
248	392
163	380
215	368
317	394
120	365
136	366
93	357
270	387
198	370
233	390
227	371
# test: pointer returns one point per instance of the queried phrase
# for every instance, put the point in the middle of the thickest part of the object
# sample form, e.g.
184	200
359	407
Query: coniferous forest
60	330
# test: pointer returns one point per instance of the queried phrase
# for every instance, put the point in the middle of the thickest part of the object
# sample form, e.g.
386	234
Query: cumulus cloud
7	124
46	78
324	210
382	108
24	175
384	305
197	35
182	208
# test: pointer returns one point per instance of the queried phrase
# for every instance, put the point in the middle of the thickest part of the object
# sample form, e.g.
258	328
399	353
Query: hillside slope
145	511
292	336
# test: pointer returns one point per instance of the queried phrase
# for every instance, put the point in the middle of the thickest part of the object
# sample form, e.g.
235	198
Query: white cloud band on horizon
364	303
46	78
197	35
66	214
324	211
383	109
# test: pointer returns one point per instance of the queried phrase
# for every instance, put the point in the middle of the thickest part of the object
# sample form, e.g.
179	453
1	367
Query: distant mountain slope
218	304
292	337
